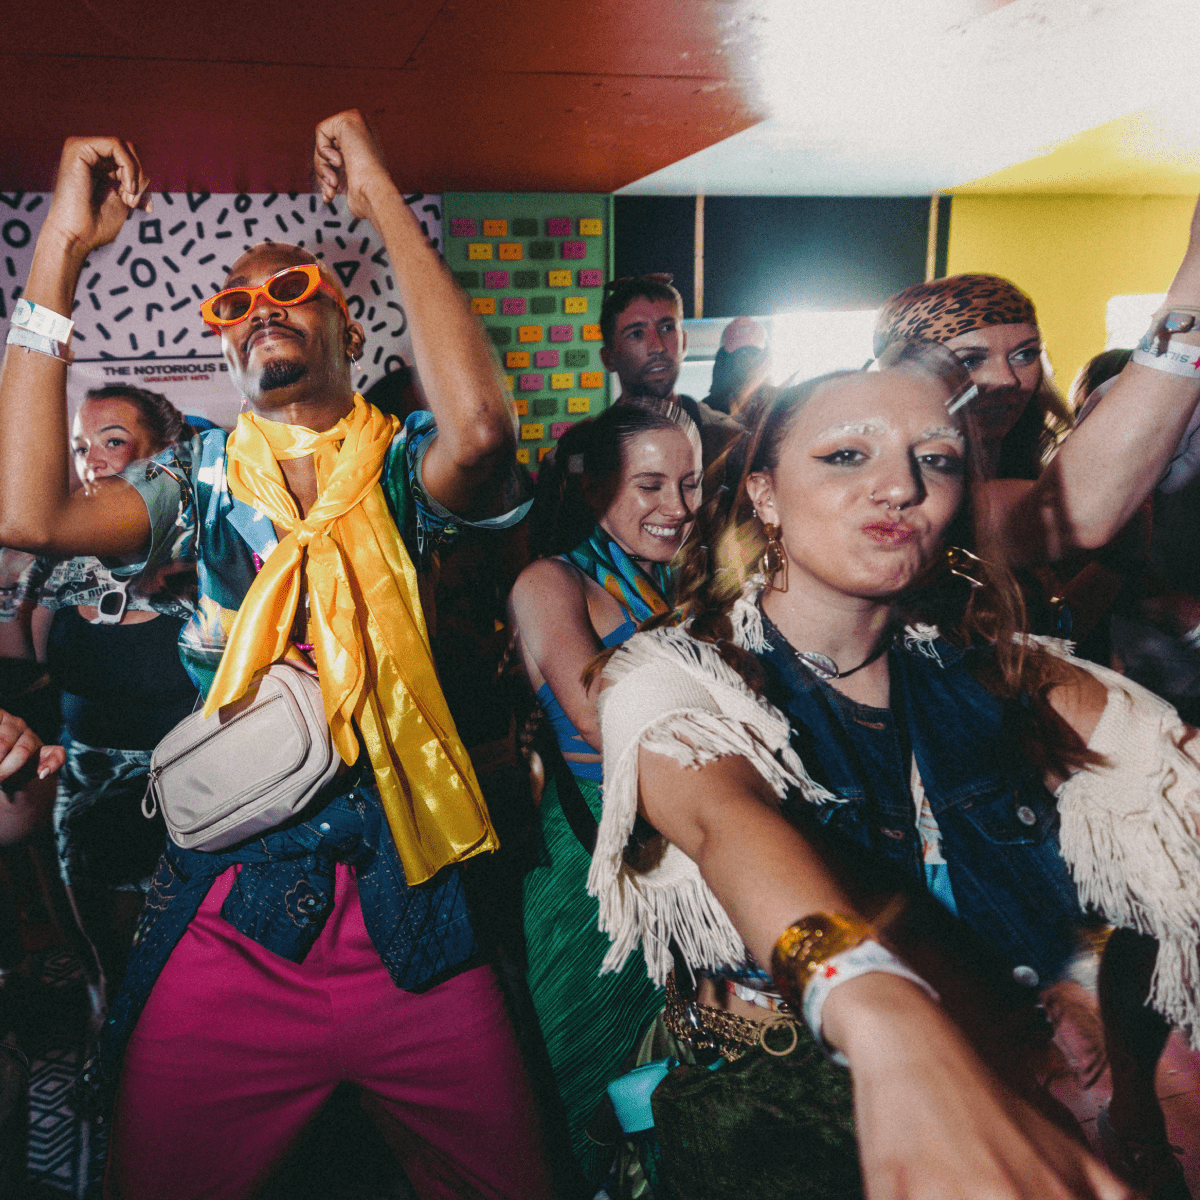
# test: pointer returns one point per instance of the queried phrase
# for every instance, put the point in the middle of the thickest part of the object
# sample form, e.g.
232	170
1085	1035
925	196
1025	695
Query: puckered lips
890	533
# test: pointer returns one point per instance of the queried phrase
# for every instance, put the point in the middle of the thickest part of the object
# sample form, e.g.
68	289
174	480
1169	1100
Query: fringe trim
1128	833
1058	646
746	616
671	900
733	704
920	639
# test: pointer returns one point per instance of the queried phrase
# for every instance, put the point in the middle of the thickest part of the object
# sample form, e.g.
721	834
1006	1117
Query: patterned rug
49	1013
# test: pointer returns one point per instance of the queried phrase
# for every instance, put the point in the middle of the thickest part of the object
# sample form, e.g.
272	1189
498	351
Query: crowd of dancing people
726	813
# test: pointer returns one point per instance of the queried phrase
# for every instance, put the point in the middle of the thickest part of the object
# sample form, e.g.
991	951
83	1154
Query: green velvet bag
760	1128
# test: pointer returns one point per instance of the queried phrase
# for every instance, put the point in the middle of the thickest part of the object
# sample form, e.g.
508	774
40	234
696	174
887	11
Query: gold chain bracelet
706	1027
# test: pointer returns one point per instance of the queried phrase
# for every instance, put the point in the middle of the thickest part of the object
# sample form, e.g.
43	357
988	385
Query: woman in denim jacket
845	652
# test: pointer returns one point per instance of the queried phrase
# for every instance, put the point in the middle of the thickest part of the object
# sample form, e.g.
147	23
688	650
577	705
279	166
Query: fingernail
44	772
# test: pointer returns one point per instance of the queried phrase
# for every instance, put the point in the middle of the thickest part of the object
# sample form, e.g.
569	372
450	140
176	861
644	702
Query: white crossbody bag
248	768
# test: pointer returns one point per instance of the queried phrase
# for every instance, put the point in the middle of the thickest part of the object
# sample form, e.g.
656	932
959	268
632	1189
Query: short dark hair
620	293
300	255
164	421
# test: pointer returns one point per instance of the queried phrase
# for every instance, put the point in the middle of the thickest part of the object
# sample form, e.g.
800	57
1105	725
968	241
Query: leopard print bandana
944	308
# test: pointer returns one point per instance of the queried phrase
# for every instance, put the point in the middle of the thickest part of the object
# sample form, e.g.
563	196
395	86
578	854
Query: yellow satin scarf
366	625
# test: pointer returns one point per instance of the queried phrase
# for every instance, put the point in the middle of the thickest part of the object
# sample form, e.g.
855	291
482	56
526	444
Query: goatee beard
281	373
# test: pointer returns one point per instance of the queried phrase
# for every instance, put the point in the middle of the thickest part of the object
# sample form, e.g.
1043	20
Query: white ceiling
909	97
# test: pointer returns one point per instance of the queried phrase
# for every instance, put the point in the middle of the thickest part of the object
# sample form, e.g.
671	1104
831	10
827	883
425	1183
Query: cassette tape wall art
534	267
136	312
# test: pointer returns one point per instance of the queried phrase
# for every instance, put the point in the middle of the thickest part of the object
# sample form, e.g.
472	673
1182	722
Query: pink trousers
237	1049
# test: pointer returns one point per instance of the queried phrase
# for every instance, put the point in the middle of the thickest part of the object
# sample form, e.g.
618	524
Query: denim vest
998	823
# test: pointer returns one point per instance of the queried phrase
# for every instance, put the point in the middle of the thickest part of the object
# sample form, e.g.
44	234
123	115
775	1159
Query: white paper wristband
1177	358
43	345
43	321
859	960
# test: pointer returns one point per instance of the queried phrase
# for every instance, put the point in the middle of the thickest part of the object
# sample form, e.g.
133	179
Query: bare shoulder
547	585
548	575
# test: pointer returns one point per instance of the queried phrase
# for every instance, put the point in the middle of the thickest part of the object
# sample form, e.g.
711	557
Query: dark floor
1178	1080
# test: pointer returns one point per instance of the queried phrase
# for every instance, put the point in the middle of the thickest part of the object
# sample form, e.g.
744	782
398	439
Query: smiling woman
611	512
109	642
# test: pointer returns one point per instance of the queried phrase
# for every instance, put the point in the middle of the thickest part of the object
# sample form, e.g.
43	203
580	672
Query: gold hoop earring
962	562
774	559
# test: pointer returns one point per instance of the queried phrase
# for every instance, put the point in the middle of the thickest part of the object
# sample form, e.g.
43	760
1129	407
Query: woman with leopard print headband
991	326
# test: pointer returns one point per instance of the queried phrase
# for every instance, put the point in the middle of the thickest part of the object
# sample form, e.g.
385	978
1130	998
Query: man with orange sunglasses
339	948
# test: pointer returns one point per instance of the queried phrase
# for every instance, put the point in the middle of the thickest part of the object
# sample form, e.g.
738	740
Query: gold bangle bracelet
806	944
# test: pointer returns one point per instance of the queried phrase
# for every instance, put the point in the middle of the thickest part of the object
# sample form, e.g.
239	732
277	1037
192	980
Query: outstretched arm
1108	466
458	370
932	1120
100	181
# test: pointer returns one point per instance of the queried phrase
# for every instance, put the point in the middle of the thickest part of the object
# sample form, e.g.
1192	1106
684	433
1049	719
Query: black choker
823	667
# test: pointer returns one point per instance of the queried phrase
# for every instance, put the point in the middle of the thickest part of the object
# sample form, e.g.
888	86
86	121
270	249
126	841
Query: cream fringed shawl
674	695
1128	827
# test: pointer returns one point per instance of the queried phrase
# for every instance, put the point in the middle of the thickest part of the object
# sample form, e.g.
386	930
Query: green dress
591	1022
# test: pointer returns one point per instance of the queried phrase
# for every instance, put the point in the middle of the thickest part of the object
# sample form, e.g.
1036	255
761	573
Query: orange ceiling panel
693	38
540	95
348	33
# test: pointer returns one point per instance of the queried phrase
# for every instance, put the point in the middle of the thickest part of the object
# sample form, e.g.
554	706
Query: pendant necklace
823	667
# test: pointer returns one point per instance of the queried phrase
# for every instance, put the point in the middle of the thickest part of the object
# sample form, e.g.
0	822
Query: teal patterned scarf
640	591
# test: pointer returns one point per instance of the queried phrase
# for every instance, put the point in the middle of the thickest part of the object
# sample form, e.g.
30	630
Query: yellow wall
1071	254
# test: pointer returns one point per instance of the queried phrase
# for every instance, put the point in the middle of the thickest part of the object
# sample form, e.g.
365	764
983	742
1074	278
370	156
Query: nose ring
886	504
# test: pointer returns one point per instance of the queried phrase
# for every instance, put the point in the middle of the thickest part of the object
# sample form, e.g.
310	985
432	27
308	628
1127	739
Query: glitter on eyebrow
943	431
855	427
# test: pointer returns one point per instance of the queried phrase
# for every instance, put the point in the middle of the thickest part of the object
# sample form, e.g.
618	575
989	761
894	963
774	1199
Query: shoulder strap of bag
575	808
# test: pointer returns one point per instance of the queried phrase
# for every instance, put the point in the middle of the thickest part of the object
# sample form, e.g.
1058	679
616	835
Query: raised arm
1108	466
458	369
100	182
932	1121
